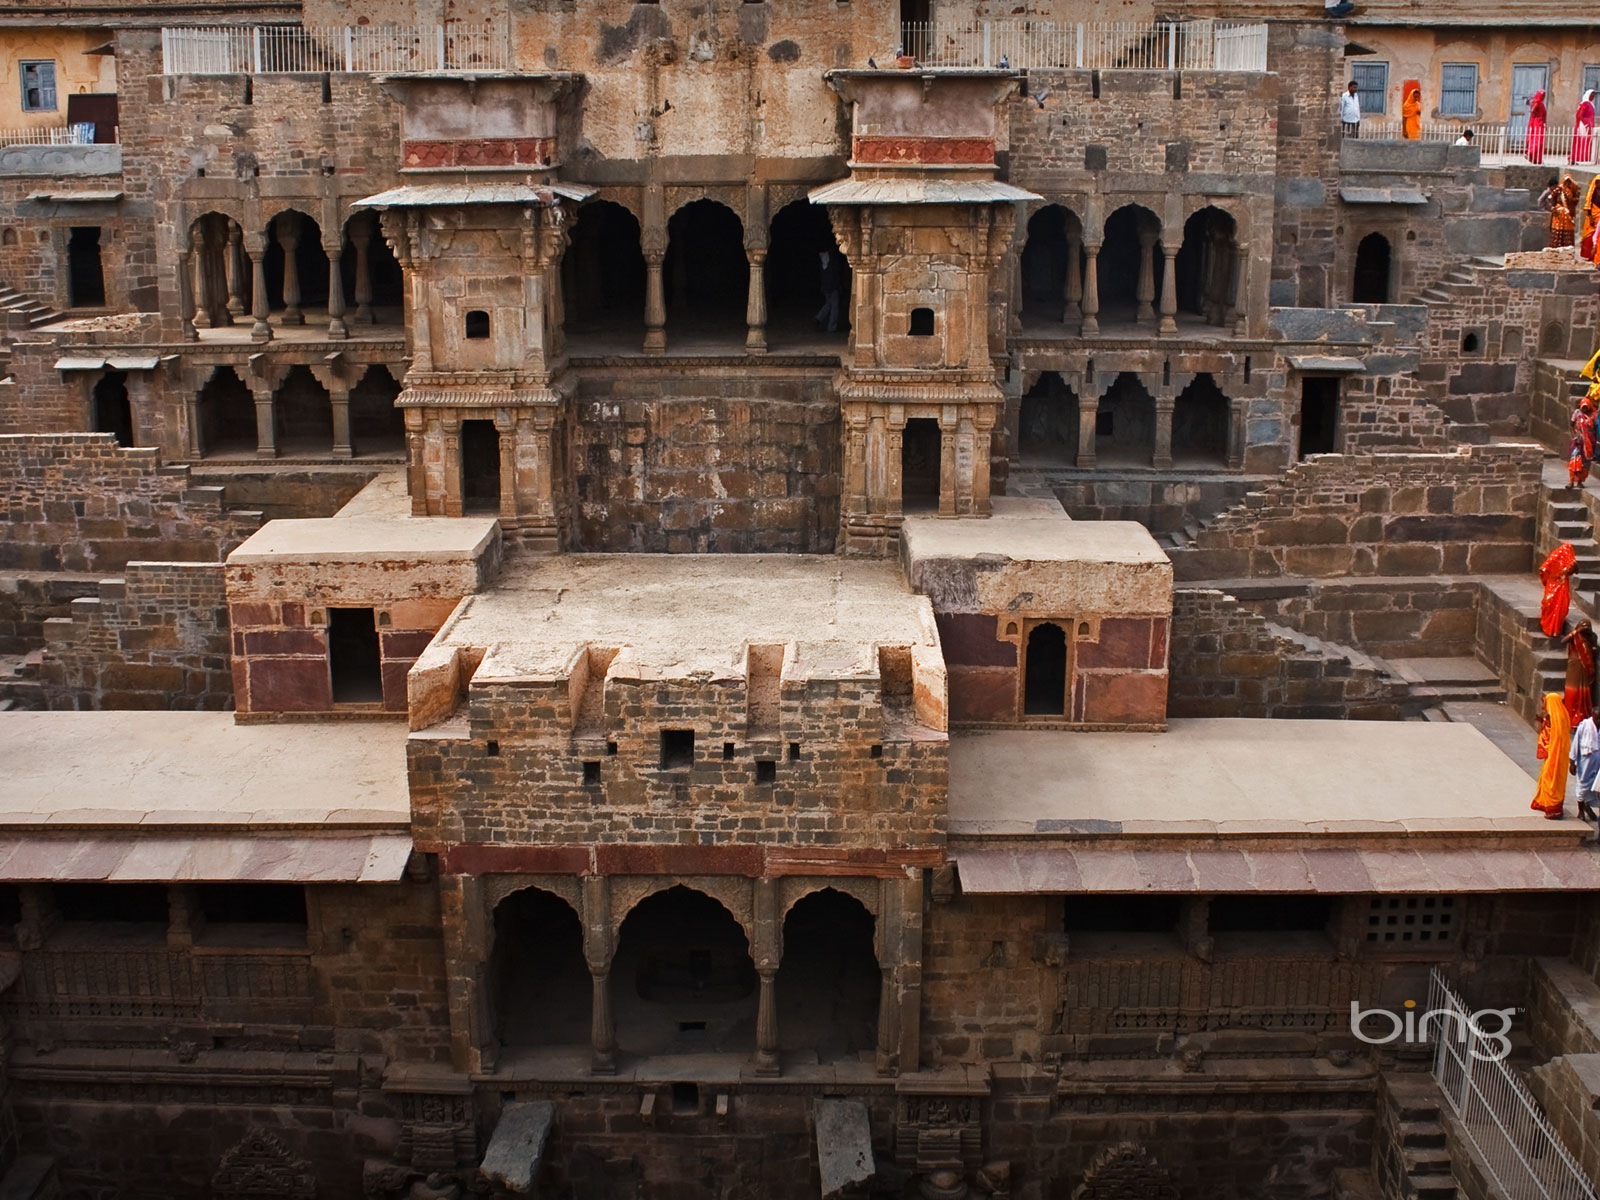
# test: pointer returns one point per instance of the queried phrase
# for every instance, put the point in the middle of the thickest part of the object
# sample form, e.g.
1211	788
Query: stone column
266	429
1239	290
893	501
191	406
336	325
1088	409
201	317
339	401
361	241
755	317
655	304
598	948
289	240
1169	293
450	464
888	1023
186	294
1091	290
236	270
256	247
767	950
507	442
1147	276
215	265
1073	292
1238	408
949	485
1161	456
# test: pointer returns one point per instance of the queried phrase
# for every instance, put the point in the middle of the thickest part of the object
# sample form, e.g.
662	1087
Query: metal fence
78	134
1497	138
375	49
1499	1117
1092	45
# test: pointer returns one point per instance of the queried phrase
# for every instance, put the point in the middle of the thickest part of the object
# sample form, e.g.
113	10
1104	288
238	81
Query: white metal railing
375	49
1495	1111
77	134
1092	45
1493	138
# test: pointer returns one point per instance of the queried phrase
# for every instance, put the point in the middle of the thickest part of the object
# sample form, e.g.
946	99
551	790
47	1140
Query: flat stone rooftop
681	614
361	539
1237	776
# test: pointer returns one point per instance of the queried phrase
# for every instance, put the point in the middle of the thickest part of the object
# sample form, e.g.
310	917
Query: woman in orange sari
1556	575
1411	112
1589	217
1555	744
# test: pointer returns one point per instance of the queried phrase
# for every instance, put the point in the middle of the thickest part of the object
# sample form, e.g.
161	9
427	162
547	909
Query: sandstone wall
1228	661
156	639
733	459
1394	617
79	502
1379	514
28	601
1309	60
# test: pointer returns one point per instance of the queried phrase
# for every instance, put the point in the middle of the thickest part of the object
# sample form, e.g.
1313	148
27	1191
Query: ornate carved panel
1125	1172
260	1167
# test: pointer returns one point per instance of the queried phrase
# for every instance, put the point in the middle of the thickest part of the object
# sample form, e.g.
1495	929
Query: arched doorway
86	281
1200	424
303	415
1044	680
603	273
828	983
800	236
1130	266
1125	423
227	415
706	273
1370	284
1052	266
682	979
113	413
296	267
376	425
1207	264
540	988
1047	422
374	284
221	284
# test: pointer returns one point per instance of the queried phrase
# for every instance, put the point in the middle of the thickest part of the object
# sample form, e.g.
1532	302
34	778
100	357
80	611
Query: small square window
591	773
727	750
477	324
1372	86
1458	90
38	86
921	322
677	749
794	751
766	770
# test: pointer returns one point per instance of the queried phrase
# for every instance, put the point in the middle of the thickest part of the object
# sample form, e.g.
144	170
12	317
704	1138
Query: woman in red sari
1583	131
1555	743
1536	119
1581	652
1556	575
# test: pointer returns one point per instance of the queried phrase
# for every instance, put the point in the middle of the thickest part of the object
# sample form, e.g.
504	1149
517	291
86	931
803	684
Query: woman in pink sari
1536	118
1583	131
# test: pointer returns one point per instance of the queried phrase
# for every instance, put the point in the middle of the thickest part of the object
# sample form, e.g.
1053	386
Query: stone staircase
25	311
20	685
1412	1157
1564	517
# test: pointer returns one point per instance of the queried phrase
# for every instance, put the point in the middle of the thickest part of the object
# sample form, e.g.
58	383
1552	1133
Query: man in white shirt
1350	111
1585	757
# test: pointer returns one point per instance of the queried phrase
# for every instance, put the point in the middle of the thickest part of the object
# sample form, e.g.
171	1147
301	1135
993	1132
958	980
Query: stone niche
1045	620
329	615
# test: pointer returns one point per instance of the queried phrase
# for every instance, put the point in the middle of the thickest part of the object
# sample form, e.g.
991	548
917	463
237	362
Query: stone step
1432	1187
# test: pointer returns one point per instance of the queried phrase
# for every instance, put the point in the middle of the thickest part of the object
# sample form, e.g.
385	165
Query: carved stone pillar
339	401
236	270
256	248
756	309
767	1062
508	467
214	264
655	304
1073	292
203	300
336	325
1238	409
289	240
1239	290
597	951
1088	411
1169	293
888	1023
767	947
361	241
1091	290
266	427
1146	293
186	295
1161	456
948	484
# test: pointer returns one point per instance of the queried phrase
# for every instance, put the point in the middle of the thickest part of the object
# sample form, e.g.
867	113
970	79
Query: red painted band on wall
480	152
933	151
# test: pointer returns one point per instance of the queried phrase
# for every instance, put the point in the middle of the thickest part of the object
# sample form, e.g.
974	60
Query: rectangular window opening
1270	914
766	770
353	656
1458	90
124	903
591	773
727	751
677	749
38	85
1372	87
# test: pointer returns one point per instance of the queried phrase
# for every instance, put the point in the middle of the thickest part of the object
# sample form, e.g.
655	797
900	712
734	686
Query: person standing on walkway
1350	111
828	315
1411	112
1554	749
1583	132
1555	574
1536	119
1585	760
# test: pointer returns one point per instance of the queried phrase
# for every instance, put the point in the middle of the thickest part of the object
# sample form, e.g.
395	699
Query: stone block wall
1508	640
1400	618
28	601
731	459
79	502
1309	60
1228	661
155	639
842	775
1468	512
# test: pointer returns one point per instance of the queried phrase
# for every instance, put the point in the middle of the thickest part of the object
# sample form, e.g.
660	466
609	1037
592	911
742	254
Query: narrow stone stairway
1413	1160
34	312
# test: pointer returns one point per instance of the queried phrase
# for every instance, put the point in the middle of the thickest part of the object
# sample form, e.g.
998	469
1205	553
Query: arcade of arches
297	416
1126	425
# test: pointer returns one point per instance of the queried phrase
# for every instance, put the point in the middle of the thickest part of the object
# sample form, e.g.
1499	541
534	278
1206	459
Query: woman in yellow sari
1555	743
1411	112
